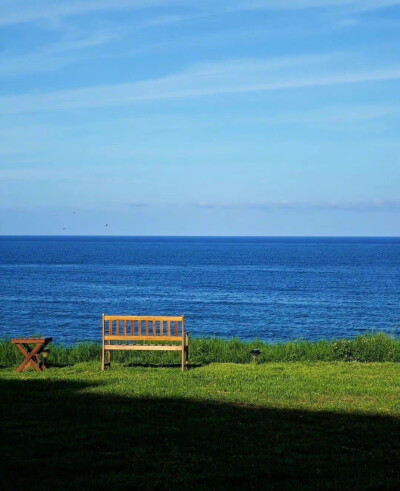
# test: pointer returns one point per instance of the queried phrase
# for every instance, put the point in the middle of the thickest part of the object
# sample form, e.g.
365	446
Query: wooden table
31	348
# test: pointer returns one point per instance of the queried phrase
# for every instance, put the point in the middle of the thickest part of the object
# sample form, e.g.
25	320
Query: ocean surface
274	289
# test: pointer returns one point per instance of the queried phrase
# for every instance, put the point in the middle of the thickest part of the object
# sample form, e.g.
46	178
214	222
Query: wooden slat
138	347
29	340
143	338
143	317
156	339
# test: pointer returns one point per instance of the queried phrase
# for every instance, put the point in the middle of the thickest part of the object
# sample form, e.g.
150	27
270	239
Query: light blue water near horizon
271	288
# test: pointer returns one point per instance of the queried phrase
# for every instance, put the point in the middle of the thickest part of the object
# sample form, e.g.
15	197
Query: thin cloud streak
354	5
54	56
327	115
22	11
231	77
359	206
137	205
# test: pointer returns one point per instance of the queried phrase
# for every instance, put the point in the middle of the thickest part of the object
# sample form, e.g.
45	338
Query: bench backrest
143	328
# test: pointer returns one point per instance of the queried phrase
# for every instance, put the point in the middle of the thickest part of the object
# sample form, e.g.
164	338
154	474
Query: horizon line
210	236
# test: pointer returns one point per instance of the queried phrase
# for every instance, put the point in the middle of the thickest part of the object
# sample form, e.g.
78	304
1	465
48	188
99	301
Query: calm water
270	288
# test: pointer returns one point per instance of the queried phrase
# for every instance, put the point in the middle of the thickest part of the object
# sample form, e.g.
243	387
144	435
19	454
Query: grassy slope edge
367	348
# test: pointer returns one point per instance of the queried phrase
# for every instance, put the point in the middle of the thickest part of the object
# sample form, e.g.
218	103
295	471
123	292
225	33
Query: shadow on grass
192	366
59	435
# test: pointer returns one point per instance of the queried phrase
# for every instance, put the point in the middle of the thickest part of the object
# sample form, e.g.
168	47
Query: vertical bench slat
110	328
147	327
139	328
117	327
169	328
154	328
176	328
161	328
125	328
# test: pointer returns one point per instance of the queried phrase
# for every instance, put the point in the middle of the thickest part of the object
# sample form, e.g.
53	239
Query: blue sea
274	289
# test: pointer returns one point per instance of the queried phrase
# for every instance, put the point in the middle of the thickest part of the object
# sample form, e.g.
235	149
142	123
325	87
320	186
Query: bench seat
120	333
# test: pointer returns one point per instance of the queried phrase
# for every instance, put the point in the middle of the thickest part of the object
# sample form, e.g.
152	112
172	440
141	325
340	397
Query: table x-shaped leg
32	358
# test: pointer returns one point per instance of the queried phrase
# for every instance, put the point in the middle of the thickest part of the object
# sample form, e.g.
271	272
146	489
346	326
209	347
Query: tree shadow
61	435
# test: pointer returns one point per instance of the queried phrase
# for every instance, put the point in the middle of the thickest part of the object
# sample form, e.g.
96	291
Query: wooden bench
123	332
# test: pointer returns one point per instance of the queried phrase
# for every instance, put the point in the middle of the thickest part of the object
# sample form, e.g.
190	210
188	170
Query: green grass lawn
314	425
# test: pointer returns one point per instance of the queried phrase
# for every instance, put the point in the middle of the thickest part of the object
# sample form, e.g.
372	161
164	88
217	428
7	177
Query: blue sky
264	117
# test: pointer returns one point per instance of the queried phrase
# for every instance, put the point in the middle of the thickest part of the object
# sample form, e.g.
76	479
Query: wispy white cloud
338	114
361	206
347	22
21	11
77	44
30	174
229	77
365	5
163	20
355	5
54	56
137	204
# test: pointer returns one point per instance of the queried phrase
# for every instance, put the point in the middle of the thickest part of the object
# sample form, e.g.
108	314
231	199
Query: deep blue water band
273	288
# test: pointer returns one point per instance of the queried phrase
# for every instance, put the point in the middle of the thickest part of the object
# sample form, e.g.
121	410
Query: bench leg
183	358
187	349
102	357
105	363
